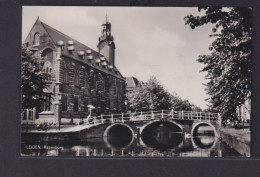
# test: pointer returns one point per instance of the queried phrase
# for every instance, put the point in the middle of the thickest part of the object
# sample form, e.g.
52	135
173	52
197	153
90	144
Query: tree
152	96
179	104
228	66
33	80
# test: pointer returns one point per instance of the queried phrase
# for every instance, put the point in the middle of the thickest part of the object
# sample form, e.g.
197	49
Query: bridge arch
162	134
151	122
120	131
196	126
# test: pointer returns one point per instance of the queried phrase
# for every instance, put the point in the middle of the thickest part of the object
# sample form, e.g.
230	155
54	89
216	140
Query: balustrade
151	115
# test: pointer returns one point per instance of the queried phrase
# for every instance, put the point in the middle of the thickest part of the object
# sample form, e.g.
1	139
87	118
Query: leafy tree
33	80
152	96
195	108
228	66
179	104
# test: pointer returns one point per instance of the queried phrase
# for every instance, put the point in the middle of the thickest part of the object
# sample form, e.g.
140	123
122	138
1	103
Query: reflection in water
161	140
203	142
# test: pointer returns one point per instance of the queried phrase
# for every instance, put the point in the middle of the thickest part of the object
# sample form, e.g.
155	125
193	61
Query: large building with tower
80	77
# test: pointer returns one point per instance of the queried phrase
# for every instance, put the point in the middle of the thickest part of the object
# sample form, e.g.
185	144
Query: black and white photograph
104	81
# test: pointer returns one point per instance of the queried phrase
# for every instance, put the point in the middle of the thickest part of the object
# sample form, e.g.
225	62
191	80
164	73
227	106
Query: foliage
180	104
153	96
228	66
33	80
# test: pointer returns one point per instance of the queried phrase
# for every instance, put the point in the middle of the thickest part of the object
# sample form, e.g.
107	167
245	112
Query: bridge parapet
159	115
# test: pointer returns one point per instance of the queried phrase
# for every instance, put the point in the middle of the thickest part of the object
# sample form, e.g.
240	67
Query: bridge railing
150	115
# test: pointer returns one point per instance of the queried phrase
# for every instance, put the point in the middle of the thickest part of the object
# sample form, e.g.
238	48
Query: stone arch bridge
138	124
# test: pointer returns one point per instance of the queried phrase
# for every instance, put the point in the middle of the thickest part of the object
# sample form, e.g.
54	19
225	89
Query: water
158	142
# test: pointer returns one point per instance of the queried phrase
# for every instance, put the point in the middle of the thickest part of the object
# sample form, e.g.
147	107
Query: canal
160	141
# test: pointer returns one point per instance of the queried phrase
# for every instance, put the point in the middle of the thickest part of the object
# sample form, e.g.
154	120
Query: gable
38	31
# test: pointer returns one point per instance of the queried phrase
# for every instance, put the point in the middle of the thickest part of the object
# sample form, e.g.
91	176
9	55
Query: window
86	79
46	104
64	101
24	115
65	71
76	104
76	77
36	40
47	68
71	74
81	77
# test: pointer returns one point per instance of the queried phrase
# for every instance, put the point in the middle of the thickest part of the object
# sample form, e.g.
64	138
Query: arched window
36	40
47	68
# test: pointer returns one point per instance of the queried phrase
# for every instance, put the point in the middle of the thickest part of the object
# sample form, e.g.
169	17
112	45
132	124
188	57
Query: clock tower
106	45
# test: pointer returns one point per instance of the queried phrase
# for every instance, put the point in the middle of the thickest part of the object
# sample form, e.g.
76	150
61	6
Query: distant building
244	111
132	83
79	75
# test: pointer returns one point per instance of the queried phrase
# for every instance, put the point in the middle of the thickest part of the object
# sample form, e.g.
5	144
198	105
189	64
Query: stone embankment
238	139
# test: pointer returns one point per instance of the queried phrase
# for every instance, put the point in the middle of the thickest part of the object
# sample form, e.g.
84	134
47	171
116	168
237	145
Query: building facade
244	111
80	77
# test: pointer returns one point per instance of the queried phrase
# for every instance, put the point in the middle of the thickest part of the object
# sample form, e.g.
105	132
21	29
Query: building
132	83
80	77
244	111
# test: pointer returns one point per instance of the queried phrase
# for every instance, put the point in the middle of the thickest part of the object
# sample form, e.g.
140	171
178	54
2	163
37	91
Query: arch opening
162	135
203	129
119	135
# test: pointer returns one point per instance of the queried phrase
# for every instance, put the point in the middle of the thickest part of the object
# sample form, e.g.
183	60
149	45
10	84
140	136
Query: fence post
191	115
152	114
172	113
102	118
162	114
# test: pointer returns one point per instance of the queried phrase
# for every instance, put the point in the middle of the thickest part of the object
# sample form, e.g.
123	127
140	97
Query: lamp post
126	106
90	107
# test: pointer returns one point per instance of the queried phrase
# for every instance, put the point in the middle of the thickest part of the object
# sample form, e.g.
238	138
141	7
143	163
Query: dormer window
104	64
36	40
97	61
110	67
71	46
90	57
81	54
61	44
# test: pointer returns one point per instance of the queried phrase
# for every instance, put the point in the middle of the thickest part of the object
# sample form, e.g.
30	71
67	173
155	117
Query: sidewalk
73	128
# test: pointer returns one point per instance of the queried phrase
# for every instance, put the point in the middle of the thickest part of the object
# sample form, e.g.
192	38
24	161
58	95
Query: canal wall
239	140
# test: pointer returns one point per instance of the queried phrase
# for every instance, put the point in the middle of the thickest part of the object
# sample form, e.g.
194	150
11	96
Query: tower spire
106	17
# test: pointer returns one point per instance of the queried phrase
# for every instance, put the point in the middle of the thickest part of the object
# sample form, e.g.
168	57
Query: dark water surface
160	142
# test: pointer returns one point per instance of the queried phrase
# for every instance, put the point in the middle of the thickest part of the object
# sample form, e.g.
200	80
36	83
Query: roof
56	35
132	82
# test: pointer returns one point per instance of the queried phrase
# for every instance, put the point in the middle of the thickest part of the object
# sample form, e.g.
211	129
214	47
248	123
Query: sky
150	41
